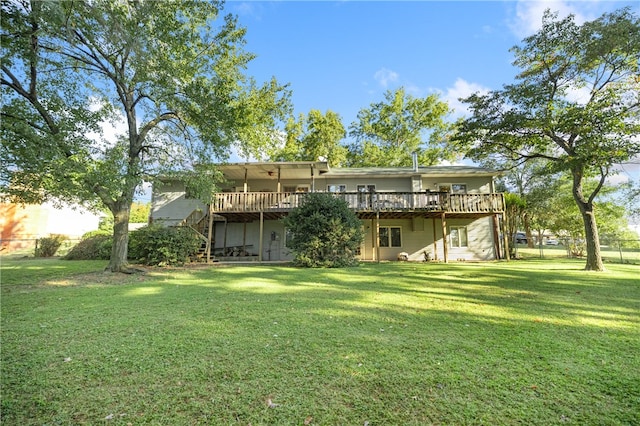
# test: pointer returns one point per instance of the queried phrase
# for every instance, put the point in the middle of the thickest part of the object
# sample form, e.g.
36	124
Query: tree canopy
575	104
171	73
313	137
389	132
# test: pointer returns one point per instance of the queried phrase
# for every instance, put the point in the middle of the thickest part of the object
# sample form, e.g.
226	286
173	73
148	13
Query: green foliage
158	245
48	246
574	105
95	233
537	342
139	212
324	232
95	245
175	71
388	132
313	137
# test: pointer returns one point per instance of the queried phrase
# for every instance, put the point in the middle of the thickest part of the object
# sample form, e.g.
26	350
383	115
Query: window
299	188
390	236
337	188
458	236
459	188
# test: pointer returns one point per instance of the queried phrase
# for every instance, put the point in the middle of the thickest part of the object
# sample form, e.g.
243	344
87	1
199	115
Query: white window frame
337	188
459	242
389	236
462	188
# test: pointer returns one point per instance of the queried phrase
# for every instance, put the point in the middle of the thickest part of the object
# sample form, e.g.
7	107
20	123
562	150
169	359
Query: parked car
552	242
521	238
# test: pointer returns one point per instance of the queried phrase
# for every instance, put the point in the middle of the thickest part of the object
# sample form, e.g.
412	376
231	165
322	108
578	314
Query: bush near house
157	245
324	232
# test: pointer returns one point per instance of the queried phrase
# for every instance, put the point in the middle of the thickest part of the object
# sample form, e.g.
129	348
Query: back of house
422	213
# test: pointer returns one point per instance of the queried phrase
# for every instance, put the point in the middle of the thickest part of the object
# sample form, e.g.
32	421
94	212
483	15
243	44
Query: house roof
431	171
304	169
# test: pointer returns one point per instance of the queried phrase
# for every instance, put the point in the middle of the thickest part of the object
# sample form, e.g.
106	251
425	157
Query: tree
314	137
575	104
324	232
175	80
388	133
140	212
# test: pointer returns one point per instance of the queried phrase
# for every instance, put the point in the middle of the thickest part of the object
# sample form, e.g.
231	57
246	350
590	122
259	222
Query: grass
610	254
530	342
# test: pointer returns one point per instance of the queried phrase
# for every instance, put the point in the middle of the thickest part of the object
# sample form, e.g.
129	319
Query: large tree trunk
594	257
118	261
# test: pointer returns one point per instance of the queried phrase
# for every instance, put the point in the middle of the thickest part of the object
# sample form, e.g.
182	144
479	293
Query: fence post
620	250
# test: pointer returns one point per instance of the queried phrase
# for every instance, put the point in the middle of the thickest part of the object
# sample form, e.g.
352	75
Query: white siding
169	205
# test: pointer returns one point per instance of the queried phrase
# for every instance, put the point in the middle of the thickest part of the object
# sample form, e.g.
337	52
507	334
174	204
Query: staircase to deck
198	221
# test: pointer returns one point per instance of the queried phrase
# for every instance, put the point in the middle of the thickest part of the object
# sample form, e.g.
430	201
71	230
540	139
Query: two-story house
430	213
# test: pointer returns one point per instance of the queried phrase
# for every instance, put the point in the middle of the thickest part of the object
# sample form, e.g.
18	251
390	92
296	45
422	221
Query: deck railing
255	202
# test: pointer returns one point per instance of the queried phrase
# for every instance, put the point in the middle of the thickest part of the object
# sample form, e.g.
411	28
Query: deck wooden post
496	236
209	234
505	239
244	238
377	239
224	244
435	241
443	219
261	236
279	184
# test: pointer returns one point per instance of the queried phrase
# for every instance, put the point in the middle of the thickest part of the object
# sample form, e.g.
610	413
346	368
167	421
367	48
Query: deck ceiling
293	170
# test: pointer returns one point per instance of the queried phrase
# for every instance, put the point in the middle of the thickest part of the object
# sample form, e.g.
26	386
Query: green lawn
534	342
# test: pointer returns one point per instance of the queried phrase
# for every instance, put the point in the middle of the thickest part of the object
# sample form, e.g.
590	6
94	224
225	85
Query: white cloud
384	77
461	89
528	14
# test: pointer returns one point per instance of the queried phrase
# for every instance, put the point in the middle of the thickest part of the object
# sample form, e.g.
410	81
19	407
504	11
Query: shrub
48	246
157	245
324	232
94	247
97	232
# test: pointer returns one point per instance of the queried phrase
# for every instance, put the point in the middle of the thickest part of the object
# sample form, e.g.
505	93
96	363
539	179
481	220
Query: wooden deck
247	206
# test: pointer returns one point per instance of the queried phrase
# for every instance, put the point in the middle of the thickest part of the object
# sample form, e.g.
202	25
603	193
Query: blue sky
343	55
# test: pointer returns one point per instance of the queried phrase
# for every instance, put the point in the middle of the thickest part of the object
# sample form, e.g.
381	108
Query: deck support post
496	236
435	241
244	238
377	238
505	238
279	183
443	219
224	244
210	234
261	232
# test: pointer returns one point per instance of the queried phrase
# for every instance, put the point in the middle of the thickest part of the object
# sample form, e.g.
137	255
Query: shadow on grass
387	344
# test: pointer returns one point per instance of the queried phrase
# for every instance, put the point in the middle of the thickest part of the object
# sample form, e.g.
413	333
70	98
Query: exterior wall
475	185
169	205
418	236
480	244
382	184
273	239
35	221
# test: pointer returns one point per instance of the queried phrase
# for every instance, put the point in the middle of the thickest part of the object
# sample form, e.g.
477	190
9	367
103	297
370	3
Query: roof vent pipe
415	161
